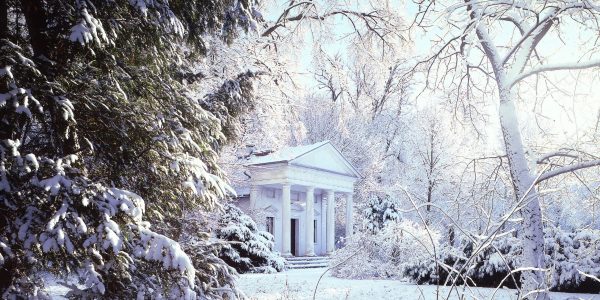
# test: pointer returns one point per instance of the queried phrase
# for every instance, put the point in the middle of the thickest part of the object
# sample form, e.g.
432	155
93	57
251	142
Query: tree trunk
37	26
429	196
523	183
35	18
4	19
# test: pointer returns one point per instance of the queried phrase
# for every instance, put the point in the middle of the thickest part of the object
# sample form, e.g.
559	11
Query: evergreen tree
250	250
380	210
97	100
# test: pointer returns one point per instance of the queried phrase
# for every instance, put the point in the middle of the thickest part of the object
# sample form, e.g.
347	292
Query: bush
573	257
384	254
489	267
569	254
249	249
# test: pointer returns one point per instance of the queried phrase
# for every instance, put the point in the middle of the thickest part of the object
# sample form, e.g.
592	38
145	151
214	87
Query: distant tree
431	161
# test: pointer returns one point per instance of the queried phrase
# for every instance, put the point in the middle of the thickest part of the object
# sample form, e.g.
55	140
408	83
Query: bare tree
490	46
431	161
370	20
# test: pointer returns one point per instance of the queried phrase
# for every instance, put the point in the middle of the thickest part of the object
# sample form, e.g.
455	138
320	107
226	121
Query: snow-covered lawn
300	284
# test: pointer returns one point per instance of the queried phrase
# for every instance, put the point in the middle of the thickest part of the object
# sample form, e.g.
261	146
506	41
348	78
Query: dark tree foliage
379	211
93	105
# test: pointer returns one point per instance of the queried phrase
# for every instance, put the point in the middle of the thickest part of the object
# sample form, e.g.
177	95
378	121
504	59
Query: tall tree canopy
97	112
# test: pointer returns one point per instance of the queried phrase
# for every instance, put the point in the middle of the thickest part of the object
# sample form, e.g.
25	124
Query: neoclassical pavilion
294	190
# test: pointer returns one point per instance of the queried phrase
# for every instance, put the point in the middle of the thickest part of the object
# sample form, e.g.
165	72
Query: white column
310	221
286	221
254	195
330	221
349	218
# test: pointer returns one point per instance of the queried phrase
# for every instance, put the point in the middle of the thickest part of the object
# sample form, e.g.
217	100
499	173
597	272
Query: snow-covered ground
300	284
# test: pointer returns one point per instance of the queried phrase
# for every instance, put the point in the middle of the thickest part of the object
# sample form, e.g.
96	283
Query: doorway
294	237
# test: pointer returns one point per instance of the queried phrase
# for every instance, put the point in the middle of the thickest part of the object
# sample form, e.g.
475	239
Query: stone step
305	262
304	258
308	263
310	259
307	266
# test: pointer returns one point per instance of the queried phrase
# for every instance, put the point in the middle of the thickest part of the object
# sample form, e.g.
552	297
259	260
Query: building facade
293	193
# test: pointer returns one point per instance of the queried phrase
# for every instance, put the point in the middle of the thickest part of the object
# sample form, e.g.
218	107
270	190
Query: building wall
269	204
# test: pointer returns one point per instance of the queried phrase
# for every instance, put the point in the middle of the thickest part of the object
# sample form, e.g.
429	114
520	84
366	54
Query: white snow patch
300	284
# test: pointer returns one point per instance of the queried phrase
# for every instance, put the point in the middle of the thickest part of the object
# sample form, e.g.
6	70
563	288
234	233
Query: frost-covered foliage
95	115
249	250
386	253
379	211
572	258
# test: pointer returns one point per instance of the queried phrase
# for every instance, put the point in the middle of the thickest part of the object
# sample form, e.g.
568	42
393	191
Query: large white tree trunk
532	233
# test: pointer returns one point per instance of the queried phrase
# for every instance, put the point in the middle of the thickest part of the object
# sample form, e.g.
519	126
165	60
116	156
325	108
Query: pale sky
566	114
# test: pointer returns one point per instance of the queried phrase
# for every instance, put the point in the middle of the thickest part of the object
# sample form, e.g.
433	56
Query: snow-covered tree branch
568	169
474	31
556	67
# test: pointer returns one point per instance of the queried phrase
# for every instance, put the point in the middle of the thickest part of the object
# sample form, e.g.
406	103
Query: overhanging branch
556	67
568	169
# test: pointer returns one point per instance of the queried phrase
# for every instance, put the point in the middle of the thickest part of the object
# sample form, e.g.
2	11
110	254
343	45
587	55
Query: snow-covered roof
322	155
284	155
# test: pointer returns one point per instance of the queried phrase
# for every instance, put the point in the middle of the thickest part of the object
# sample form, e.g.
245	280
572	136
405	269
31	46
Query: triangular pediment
270	209
326	158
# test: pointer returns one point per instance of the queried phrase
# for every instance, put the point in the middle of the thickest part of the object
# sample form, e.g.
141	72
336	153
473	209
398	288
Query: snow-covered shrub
459	264
215	275
379	211
573	259
384	254
249	250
